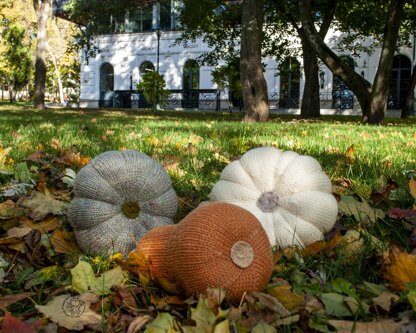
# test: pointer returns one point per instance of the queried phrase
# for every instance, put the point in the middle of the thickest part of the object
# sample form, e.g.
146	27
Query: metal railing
211	99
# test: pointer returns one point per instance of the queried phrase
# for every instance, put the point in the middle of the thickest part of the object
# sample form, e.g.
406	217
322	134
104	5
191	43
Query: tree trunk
57	74
407	107
360	86
310	100
42	10
255	98
381	85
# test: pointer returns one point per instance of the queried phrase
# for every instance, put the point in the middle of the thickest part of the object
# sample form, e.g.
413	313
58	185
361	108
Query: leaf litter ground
361	278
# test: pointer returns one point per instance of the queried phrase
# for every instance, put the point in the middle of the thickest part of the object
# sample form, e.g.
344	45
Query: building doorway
190	84
106	85
400	77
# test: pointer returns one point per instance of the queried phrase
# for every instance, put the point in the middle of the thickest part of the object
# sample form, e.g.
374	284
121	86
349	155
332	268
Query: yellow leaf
291	301
349	154
400	268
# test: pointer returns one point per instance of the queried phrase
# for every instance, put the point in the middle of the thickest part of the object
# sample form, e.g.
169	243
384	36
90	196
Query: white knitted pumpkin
288	193
119	196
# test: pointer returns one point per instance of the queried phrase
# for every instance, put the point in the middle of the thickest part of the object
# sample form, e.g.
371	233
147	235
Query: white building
144	39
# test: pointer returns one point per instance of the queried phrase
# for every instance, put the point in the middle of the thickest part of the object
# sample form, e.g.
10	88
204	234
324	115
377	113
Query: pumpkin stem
242	254
268	202
130	209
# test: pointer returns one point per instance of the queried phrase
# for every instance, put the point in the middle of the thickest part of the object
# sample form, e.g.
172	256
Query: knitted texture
202	251
288	193
104	187
154	247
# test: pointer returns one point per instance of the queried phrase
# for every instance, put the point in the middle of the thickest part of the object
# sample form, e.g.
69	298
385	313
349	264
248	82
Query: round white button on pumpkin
119	196
289	194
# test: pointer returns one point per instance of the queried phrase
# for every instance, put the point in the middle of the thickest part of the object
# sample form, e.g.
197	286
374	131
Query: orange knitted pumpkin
217	244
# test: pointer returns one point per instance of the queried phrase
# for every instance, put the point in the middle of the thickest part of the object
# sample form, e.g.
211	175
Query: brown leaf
5	301
322	246
412	188
9	210
50	223
405	214
55	144
384	193
349	154
138	323
269	302
387	325
64	242
385	300
40	205
37	156
12	324
400	268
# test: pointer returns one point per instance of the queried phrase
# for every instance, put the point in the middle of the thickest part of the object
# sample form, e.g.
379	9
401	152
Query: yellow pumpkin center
130	209
268	202
242	254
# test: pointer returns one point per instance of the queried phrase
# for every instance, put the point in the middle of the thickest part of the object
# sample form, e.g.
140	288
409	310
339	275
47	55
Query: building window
106	77
165	14
138	20
145	67
400	77
289	83
342	96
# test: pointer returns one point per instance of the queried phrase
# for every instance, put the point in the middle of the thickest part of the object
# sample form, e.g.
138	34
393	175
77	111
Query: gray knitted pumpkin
119	196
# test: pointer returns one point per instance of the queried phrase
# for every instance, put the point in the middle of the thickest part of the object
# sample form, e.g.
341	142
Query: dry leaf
71	312
55	144
385	300
322	246
400	268
5	301
349	154
40	205
138	323
387	325
63	242
291	301
45	226
12	324
412	187
9	210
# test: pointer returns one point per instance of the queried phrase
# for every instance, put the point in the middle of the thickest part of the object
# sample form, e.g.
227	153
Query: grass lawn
194	147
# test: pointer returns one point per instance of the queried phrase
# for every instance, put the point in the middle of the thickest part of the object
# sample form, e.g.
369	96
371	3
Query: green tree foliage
15	60
153	87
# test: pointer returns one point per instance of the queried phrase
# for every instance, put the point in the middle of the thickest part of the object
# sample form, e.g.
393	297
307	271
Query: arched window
289	83
106	77
400	77
342	96
145	67
191	84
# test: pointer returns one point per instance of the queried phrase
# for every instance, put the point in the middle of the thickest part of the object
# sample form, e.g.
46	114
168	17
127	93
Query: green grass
195	147
199	144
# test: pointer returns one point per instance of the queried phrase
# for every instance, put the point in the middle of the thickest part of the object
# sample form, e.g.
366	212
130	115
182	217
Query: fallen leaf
40	205
263	327
405	214
55	144
63	242
7	300
291	301
138	323
385	300
12	324
349	154
387	325
322	246
361	210
9	210
163	323
412	188
400	268
335	305
71	312
45	226
83	279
